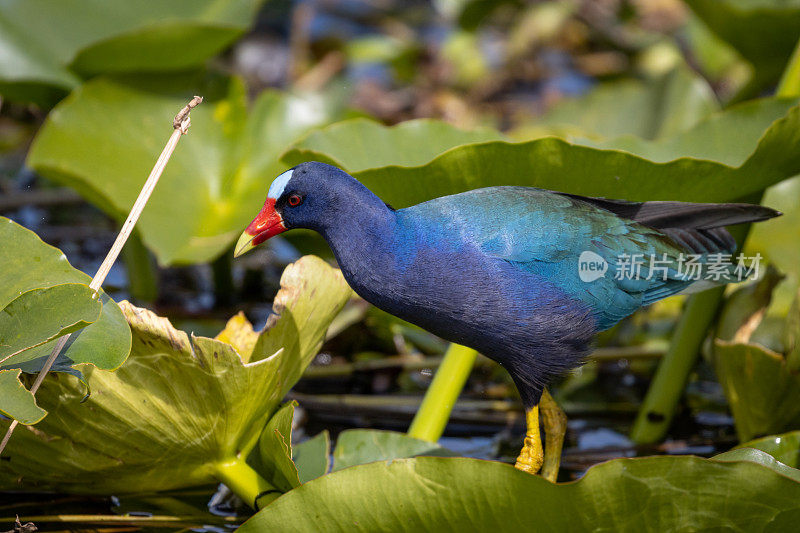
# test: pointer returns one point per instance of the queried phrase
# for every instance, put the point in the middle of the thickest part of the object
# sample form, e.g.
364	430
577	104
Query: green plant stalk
142	270
245	482
433	414
655	414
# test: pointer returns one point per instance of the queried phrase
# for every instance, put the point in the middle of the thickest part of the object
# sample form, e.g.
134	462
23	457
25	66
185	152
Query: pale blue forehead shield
279	184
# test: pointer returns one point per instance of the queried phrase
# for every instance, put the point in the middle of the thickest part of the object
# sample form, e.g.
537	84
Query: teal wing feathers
557	236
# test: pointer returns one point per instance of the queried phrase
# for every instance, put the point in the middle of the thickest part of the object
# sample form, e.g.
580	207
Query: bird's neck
363	241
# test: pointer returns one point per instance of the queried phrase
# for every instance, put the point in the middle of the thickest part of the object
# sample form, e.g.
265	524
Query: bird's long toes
530	457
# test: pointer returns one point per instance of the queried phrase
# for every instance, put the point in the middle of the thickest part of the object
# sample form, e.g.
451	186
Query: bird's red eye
295	200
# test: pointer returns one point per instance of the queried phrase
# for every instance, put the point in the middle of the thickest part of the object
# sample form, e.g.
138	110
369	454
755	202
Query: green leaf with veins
42	298
275	450
726	156
363	143
460	494
182	407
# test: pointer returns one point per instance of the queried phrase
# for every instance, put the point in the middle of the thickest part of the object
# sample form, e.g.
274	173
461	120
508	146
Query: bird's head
309	195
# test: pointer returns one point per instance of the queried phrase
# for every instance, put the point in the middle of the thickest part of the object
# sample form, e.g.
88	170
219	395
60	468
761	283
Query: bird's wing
551	234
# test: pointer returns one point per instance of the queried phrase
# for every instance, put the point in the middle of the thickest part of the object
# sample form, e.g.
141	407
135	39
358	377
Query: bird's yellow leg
531	457
555	427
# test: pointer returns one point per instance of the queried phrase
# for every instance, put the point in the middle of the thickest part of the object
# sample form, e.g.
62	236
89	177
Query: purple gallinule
525	276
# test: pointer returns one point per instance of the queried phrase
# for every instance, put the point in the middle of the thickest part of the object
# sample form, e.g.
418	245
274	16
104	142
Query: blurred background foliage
636	99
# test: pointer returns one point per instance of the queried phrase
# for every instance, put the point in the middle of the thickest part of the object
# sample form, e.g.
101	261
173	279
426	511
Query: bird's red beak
267	223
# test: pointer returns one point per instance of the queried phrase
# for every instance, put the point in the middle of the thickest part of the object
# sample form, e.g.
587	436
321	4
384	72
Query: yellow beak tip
243	245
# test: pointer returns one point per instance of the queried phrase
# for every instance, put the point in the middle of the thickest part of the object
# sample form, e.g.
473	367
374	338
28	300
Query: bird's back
613	256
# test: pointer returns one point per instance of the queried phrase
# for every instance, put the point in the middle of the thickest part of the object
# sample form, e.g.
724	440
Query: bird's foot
532	456
529	461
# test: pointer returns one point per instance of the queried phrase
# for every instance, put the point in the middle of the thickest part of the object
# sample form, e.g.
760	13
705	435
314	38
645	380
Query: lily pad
217	177
361	143
784	447
183	410
762	389
763	31
49	47
654	108
361	446
460	494
759	457
723	158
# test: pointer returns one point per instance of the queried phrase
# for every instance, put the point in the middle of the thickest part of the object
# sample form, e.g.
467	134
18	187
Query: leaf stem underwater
246	483
433	414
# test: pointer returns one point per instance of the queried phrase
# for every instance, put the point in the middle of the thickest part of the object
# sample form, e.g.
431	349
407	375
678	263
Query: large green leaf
724	157
651	109
182	409
42	298
104	139
360	446
459	494
763	31
764	395
362	143
49	46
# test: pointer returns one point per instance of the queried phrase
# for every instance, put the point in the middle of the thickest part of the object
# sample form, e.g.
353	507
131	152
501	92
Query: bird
523	275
